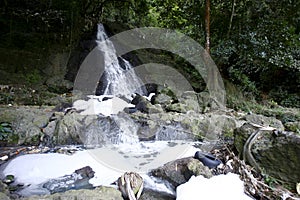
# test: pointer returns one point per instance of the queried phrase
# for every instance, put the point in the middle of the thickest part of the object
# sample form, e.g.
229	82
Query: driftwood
254	181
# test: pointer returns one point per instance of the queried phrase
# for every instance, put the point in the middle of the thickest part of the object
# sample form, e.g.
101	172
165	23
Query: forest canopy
255	43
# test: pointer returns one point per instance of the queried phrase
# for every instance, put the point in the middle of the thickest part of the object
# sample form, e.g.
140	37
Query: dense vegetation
255	43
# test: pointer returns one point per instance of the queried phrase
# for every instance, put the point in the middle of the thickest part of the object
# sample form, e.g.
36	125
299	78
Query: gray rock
3	196
265	121
180	171
188	101
276	153
191	125
77	180
27	122
4	188
144	105
100	193
155	195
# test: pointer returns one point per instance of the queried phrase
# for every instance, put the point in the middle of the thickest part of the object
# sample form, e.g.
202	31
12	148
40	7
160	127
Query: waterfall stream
120	78
112	140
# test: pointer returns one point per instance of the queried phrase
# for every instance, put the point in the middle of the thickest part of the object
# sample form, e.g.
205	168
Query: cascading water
113	138
120	78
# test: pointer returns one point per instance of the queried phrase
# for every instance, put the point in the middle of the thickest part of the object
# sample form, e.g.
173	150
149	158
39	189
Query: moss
33	140
7	136
228	133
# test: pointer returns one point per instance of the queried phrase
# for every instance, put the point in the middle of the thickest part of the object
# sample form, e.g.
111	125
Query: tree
207	26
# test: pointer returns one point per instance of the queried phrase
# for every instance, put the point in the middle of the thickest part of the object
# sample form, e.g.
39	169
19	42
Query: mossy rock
276	153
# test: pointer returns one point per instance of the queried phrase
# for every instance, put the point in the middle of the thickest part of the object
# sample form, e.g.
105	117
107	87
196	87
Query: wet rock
78	180
100	193
180	171
275	152
68	128
155	195
144	105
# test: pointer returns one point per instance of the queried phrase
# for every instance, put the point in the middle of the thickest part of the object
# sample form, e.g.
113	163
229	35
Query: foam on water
36	169
219	187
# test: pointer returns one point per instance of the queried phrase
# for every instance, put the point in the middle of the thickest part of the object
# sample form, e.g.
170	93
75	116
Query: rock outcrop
100	193
276	153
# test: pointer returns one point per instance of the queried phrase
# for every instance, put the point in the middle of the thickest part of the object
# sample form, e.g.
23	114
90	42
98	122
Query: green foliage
262	49
258	49
33	77
270	181
7	135
5	131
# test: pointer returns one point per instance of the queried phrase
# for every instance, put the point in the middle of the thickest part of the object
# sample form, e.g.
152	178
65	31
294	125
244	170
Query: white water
219	187
33	170
95	106
120	82
109	162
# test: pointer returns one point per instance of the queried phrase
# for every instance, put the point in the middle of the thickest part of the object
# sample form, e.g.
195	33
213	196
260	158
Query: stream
108	154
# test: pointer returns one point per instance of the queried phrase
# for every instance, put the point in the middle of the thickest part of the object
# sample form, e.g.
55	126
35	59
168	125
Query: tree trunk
231	17
207	26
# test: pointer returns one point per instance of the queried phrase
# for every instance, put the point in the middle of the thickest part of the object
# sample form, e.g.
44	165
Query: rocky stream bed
262	150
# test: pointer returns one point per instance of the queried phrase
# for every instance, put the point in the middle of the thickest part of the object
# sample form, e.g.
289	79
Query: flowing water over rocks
153	136
119	78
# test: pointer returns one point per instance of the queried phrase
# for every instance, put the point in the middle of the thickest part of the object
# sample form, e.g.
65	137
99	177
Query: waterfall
119	75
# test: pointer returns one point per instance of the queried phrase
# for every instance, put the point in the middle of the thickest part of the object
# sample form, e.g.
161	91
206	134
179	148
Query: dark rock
130	110
180	171
78	180
144	105
106	98
207	159
85	172
141	103
149	194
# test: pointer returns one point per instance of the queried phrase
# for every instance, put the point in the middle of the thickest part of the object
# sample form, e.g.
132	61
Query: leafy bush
5	130
7	135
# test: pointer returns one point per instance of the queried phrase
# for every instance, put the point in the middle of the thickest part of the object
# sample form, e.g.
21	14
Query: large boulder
275	152
188	101
144	105
180	171
100	193
92	130
27	122
183	126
